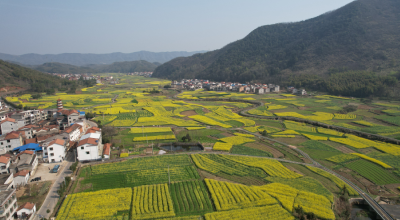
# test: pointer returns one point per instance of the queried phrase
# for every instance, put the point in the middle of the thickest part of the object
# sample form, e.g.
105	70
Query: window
87	152
46	154
52	154
3	167
1	143
8	141
50	148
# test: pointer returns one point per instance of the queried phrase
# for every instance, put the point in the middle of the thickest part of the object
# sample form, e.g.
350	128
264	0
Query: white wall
58	151
93	152
6	169
74	135
21	180
27	211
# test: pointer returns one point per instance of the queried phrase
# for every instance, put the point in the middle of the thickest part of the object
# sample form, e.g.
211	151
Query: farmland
217	183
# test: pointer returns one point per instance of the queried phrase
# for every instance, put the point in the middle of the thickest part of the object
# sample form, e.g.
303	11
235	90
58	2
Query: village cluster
29	138
256	88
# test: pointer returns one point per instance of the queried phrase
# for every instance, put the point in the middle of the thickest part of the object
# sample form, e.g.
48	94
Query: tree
264	133
167	86
188	137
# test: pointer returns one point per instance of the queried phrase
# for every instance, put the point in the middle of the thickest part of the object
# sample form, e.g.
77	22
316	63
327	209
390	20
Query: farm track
378	209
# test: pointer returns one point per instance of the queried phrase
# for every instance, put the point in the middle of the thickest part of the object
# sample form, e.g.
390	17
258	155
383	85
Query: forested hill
126	67
363	35
117	67
62	68
80	59
35	81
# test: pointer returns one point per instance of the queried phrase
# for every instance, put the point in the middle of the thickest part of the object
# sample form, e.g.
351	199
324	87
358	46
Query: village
34	146
256	88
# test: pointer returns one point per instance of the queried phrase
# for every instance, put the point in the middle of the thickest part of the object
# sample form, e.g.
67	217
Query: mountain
62	68
79	59
361	36
117	67
35	81
126	67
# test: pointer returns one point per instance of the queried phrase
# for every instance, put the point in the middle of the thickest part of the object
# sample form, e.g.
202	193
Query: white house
4	164
89	149
26	210
10	141
55	151
21	178
73	132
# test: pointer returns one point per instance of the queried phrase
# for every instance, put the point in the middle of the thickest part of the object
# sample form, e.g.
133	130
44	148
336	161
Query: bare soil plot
294	170
292	141
352	179
393	187
227	134
35	192
364	107
345	150
204	174
189	113
260	146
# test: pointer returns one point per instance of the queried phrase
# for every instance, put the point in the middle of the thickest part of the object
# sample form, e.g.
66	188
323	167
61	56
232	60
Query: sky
100	26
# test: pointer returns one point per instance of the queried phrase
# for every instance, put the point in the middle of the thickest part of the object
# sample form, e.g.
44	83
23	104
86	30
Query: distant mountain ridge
364	35
117	67
80	59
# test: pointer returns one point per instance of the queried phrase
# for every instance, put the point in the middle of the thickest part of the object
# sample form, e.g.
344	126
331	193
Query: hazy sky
99	26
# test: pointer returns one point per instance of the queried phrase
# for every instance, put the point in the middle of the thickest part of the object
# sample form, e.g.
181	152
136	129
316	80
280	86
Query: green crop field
373	172
240	149
141	177
190	198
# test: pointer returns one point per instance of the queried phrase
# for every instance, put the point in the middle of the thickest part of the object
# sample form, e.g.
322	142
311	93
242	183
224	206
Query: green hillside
35	81
117	67
361	36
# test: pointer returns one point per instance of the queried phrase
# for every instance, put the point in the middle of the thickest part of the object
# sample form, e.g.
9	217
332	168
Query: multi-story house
8	125
74	131
8	204
10	141
55	151
90	146
5	162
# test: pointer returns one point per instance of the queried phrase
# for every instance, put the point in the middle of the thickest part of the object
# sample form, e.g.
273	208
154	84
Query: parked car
55	169
36	179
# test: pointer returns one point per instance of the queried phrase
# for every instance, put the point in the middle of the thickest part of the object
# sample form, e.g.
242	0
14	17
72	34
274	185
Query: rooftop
22	173
91	141
57	141
4	195
26	205
107	149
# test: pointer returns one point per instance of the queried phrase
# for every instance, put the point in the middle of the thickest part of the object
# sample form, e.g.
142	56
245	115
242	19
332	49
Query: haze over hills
363	35
79	59
117	67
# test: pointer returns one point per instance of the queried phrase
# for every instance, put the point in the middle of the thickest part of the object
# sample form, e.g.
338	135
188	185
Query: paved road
52	197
